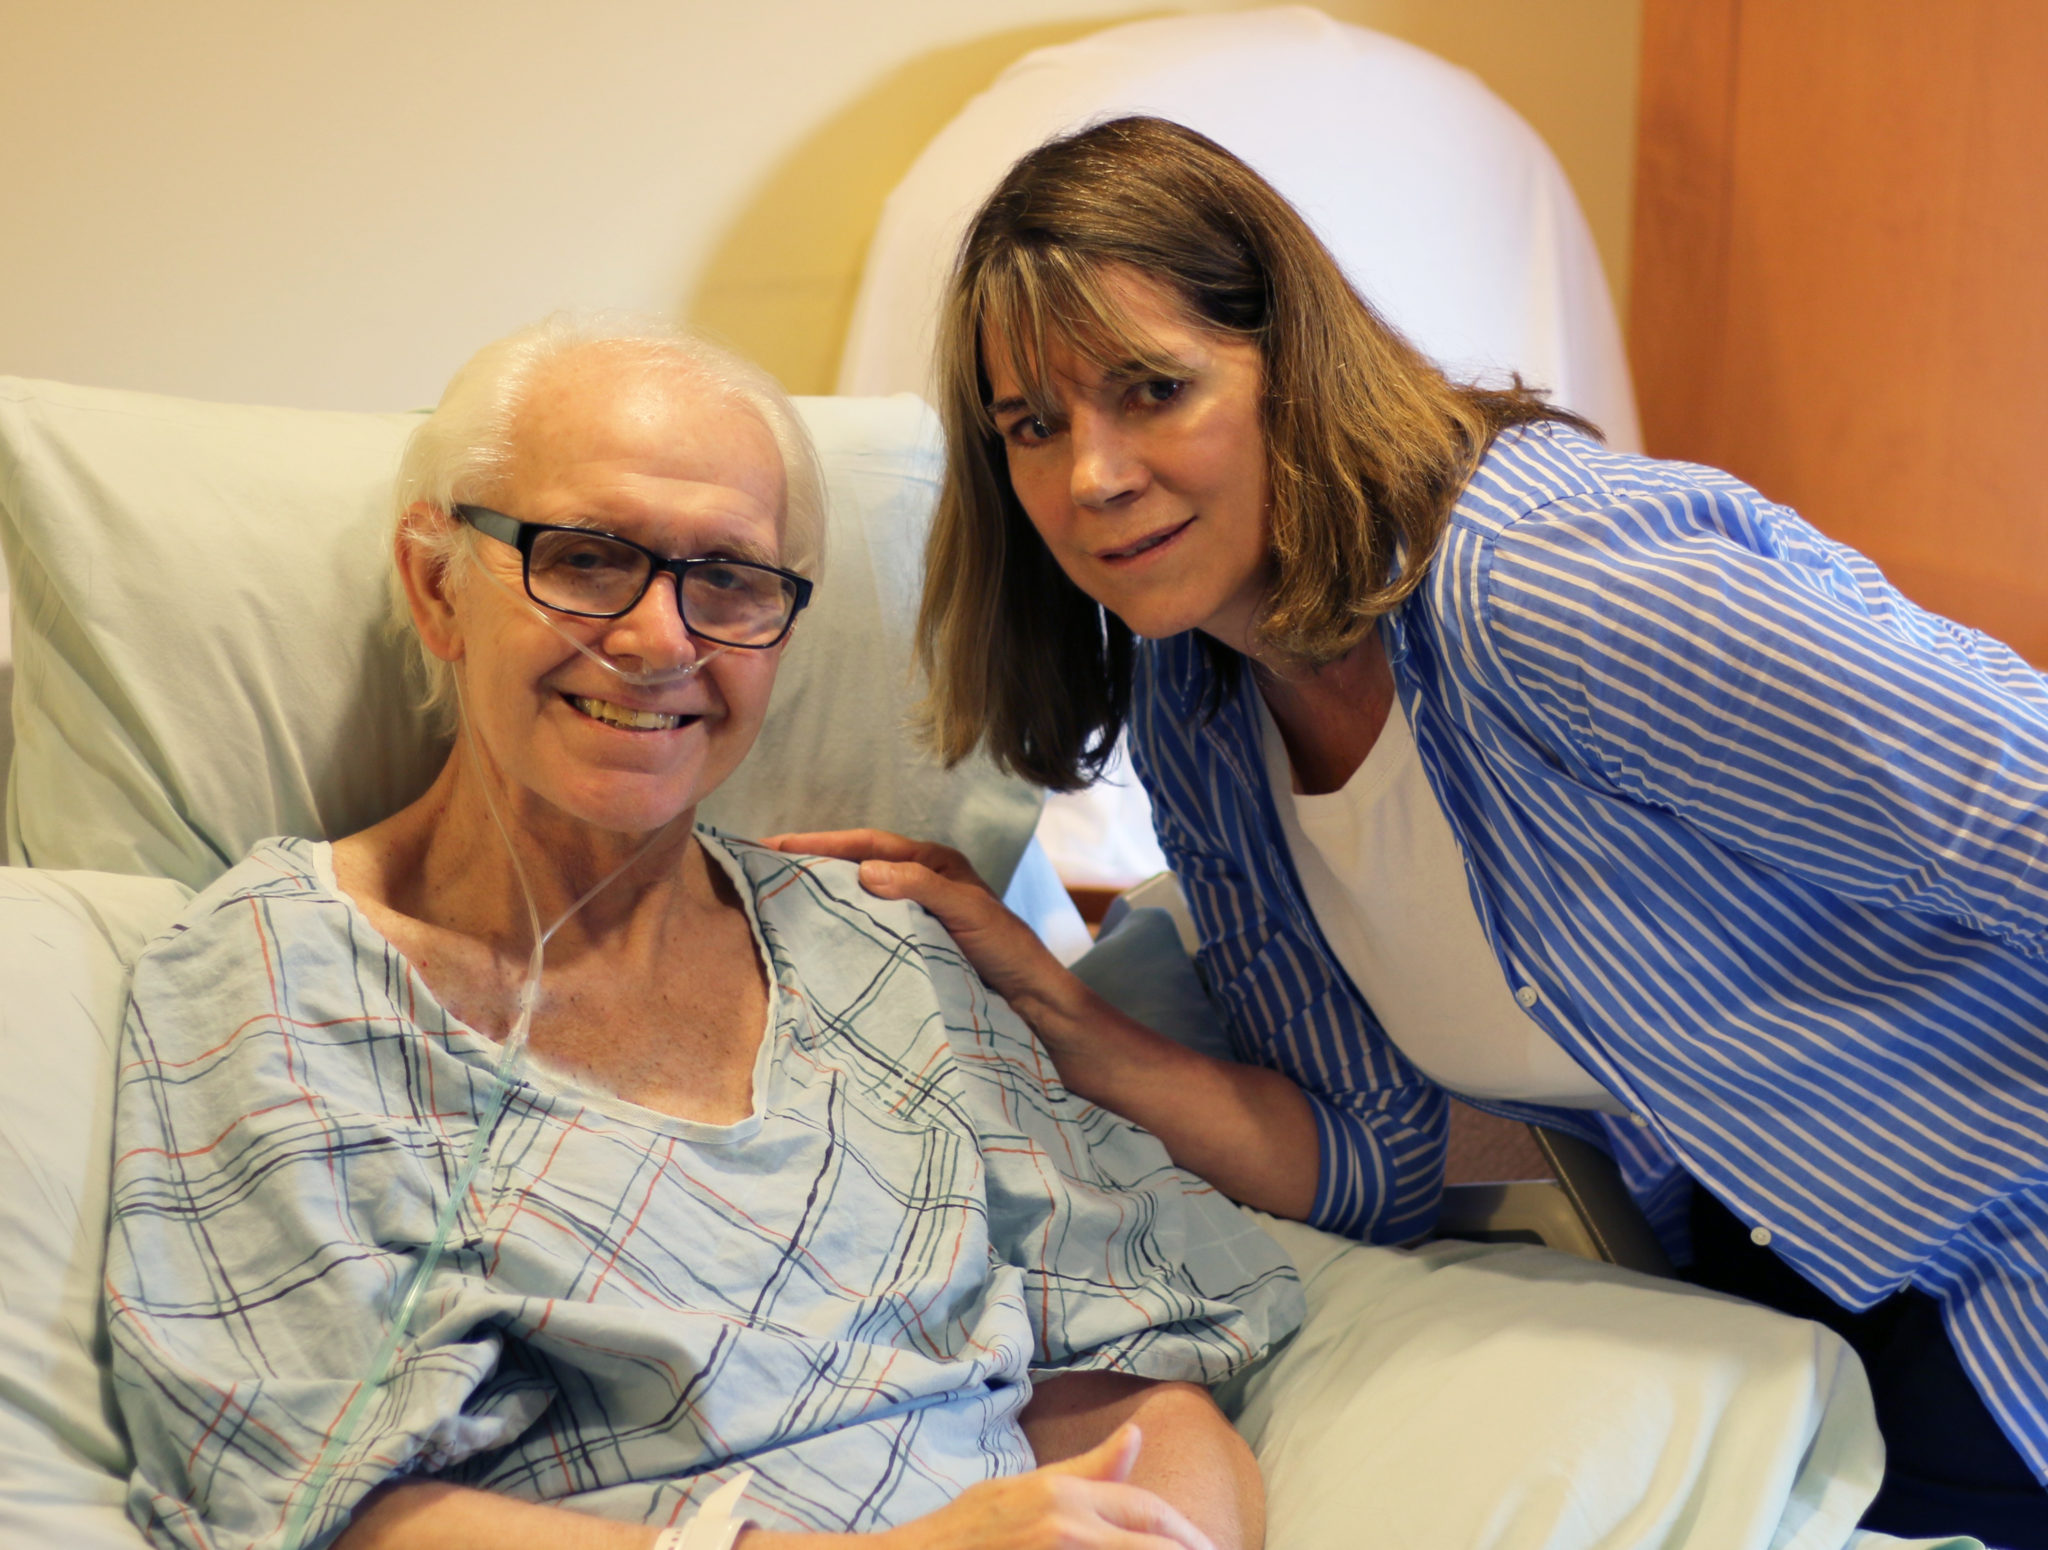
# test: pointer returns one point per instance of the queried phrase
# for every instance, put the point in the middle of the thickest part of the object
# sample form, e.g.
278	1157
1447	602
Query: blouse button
1526	996
1760	1236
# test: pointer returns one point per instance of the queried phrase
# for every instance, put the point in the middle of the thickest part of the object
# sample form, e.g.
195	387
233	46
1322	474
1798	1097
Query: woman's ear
421	551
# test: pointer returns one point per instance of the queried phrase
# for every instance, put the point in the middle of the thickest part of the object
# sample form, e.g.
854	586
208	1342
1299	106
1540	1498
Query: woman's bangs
1040	302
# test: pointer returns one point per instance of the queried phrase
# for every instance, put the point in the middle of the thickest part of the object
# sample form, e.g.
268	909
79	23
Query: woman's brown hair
1367	443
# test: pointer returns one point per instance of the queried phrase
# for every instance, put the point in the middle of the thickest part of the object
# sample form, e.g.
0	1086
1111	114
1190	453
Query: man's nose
1106	467
653	629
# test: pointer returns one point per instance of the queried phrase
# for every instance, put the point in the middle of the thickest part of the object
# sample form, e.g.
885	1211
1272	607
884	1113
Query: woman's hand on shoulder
1081	1503
1005	952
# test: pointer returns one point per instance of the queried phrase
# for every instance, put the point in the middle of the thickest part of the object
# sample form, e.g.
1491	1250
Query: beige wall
331	204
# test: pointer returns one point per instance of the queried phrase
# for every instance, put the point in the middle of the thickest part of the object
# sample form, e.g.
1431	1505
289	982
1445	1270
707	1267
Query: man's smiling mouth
625	717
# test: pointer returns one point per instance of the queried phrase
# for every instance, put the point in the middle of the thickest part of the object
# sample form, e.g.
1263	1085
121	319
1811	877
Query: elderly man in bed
776	1191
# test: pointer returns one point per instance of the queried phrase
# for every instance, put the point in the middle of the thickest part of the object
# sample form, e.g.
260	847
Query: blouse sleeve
1127	1263
1712	654
266	1216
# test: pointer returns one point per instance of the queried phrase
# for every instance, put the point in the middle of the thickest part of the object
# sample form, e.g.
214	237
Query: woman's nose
1106	467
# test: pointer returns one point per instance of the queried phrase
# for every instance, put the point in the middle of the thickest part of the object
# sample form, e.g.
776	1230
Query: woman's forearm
1247	1130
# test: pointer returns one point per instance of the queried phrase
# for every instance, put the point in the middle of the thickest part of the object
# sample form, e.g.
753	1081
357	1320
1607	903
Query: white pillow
66	942
200	658
1466	1394
1140	967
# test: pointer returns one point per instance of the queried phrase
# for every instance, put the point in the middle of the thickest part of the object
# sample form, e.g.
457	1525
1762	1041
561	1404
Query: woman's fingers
996	942
877	845
938	893
1005	952
847	844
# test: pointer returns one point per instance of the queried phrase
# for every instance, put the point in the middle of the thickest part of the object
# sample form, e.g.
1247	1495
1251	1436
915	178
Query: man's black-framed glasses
594	575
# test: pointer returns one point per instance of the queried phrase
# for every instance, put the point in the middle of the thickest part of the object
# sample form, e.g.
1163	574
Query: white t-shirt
1386	879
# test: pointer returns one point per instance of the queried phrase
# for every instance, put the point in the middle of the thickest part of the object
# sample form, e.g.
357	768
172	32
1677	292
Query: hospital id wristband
716	1526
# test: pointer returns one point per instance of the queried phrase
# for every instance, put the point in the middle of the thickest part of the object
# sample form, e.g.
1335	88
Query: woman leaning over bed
1596	789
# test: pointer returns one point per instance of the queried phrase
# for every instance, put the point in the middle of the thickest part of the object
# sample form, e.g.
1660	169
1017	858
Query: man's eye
582	556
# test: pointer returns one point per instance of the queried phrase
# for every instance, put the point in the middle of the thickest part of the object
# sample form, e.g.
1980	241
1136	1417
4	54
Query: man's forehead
604	400
594	380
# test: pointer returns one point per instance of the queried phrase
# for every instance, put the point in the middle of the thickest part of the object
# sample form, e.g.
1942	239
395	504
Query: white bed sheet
1469	1395
1453	1396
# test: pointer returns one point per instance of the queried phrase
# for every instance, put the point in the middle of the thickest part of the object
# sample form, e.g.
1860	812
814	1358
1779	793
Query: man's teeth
625	716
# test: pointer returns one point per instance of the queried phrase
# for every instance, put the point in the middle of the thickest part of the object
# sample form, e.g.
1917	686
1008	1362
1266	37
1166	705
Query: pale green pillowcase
200	658
67	940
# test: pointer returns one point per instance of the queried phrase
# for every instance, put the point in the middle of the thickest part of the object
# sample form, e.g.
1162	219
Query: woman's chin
1152	620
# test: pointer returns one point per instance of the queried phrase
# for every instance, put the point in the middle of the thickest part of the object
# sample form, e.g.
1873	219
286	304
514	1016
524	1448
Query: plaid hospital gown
848	1291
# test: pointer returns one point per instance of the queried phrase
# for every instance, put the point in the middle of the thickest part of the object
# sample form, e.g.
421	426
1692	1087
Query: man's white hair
462	451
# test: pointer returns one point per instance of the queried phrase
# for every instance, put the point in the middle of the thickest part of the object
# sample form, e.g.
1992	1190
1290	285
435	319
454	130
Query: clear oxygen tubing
337	1440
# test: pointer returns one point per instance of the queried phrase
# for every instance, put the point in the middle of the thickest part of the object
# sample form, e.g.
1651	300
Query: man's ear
427	580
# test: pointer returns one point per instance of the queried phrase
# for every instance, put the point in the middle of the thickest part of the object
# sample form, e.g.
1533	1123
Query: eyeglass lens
588	573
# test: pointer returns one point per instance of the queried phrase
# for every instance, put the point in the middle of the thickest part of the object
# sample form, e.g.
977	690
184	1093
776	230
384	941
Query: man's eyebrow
729	547
739	549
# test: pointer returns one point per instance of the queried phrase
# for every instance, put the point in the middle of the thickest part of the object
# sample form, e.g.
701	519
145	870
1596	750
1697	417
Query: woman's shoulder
1549	471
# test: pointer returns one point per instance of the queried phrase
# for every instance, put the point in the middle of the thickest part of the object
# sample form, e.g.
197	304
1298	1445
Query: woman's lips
1151	543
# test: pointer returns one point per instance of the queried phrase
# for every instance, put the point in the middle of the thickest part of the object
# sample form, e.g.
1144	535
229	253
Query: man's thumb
1111	1459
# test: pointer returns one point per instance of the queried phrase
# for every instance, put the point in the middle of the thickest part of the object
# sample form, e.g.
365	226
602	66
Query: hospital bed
200	660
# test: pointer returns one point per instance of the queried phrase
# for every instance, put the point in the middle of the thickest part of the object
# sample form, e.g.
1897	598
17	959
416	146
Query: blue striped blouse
1768	842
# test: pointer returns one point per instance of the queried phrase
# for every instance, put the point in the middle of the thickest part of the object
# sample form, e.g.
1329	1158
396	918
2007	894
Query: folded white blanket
1488	1397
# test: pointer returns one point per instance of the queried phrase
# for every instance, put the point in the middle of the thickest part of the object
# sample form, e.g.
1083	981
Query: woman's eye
1029	431
1159	390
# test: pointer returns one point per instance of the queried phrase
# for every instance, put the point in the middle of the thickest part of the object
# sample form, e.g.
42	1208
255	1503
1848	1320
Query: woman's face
679	470
1150	492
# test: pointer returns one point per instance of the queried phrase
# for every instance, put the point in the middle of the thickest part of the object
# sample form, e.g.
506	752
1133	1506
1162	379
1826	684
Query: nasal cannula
344	1430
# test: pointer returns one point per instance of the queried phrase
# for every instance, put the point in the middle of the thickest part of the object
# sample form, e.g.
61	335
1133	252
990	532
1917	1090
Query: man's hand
1081	1503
